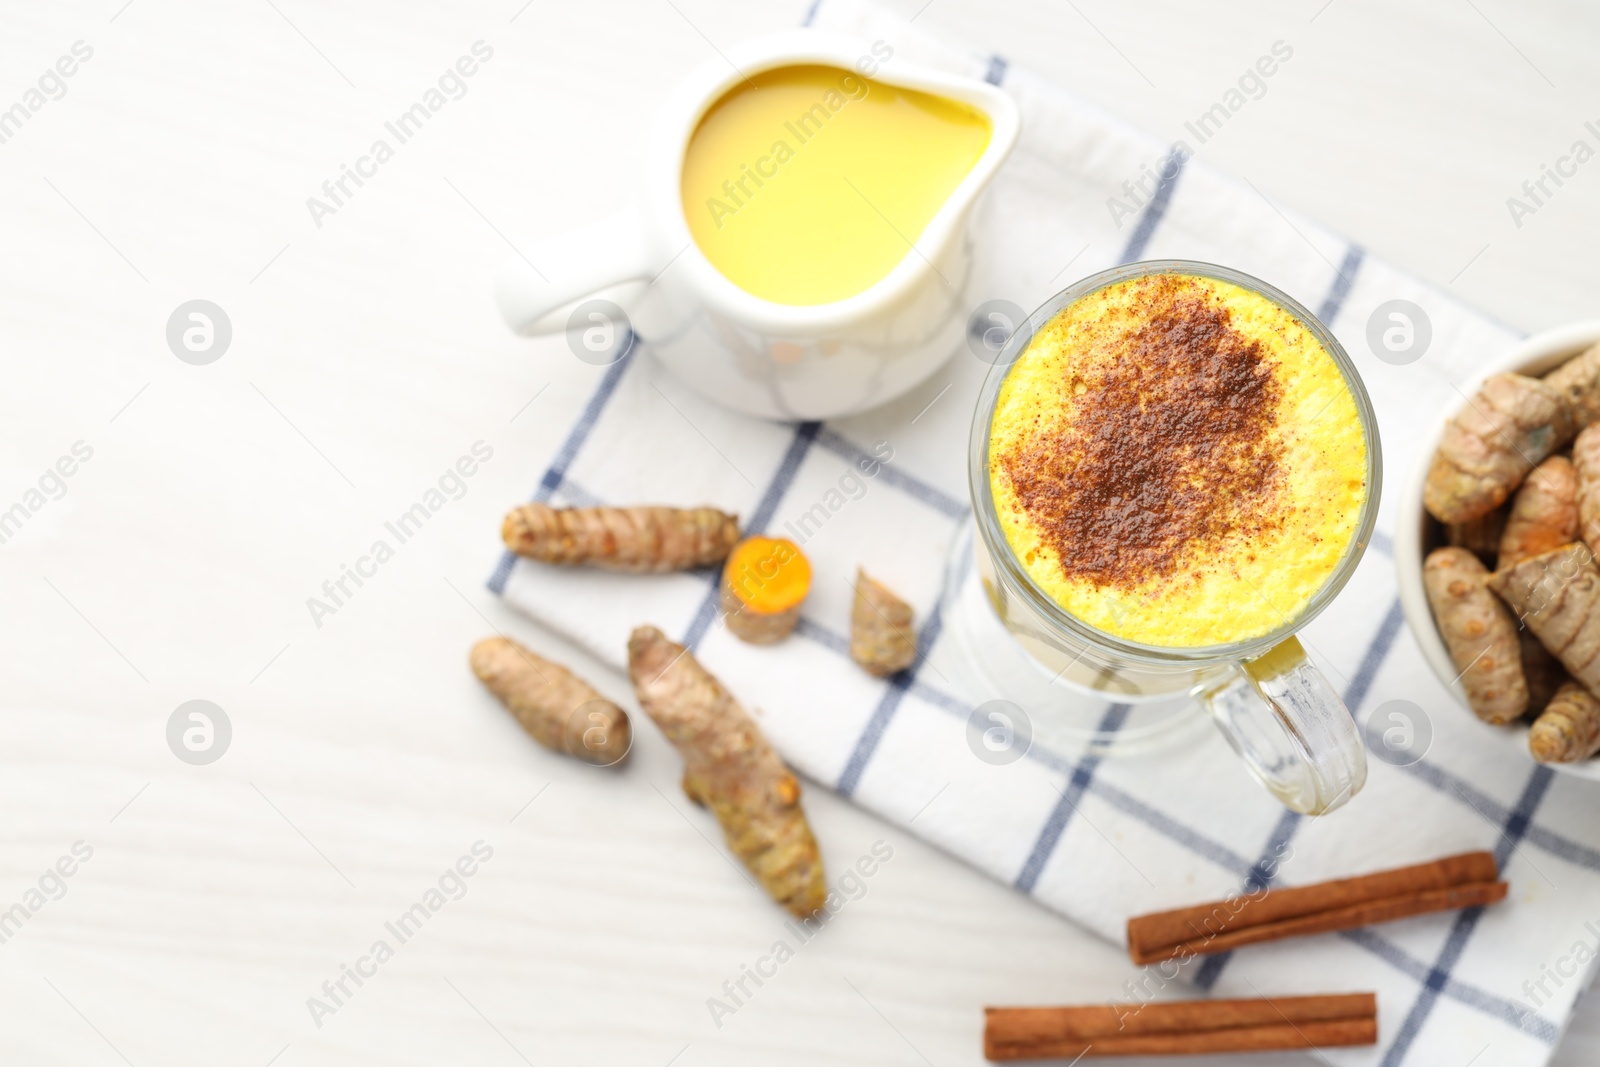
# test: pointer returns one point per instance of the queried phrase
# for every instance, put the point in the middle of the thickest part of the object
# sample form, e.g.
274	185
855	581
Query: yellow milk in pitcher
808	184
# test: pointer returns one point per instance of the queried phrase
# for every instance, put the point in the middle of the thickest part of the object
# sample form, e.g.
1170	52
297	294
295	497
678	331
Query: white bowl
1535	356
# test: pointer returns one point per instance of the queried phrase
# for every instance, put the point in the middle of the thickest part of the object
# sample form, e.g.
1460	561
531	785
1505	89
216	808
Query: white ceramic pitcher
778	361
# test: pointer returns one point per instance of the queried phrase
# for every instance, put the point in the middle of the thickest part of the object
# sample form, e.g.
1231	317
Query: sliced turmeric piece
1544	513
650	540
729	767
1568	730
1578	383
558	709
881	637
1586	462
764	585
1557	594
1479	632
1492	443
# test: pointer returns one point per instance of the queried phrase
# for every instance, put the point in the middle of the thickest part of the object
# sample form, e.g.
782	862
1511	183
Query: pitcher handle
537	291
1291	728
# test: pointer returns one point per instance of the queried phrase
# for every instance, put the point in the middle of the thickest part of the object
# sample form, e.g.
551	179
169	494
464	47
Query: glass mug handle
1290	727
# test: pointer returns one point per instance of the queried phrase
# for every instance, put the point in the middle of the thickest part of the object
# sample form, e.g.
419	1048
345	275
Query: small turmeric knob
764	585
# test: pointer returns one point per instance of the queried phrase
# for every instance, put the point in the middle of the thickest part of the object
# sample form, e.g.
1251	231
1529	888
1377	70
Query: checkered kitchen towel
1101	839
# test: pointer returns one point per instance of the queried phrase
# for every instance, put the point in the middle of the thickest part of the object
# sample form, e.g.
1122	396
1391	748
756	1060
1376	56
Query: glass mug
772	360
1276	709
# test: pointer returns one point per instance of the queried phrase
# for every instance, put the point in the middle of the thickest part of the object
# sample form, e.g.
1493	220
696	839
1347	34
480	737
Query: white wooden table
365	358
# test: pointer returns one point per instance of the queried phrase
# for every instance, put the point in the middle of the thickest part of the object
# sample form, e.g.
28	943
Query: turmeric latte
1177	461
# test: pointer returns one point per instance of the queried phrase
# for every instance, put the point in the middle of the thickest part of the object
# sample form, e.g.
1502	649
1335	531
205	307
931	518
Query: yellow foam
1233	590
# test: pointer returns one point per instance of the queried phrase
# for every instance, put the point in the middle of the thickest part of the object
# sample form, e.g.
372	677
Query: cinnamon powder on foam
1156	471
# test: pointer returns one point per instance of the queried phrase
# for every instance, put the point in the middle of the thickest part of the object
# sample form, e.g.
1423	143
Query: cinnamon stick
1181	1027
1467	880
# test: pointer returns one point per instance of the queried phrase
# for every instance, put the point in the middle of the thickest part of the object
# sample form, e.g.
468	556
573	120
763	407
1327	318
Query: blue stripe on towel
1165	825
1432	775
1259	878
1509	1011
888	704
833	642
1056	823
1566	848
1461	932
1334	301
574	495
997	70
937	499
1156	210
550	481
1376	653
804	434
